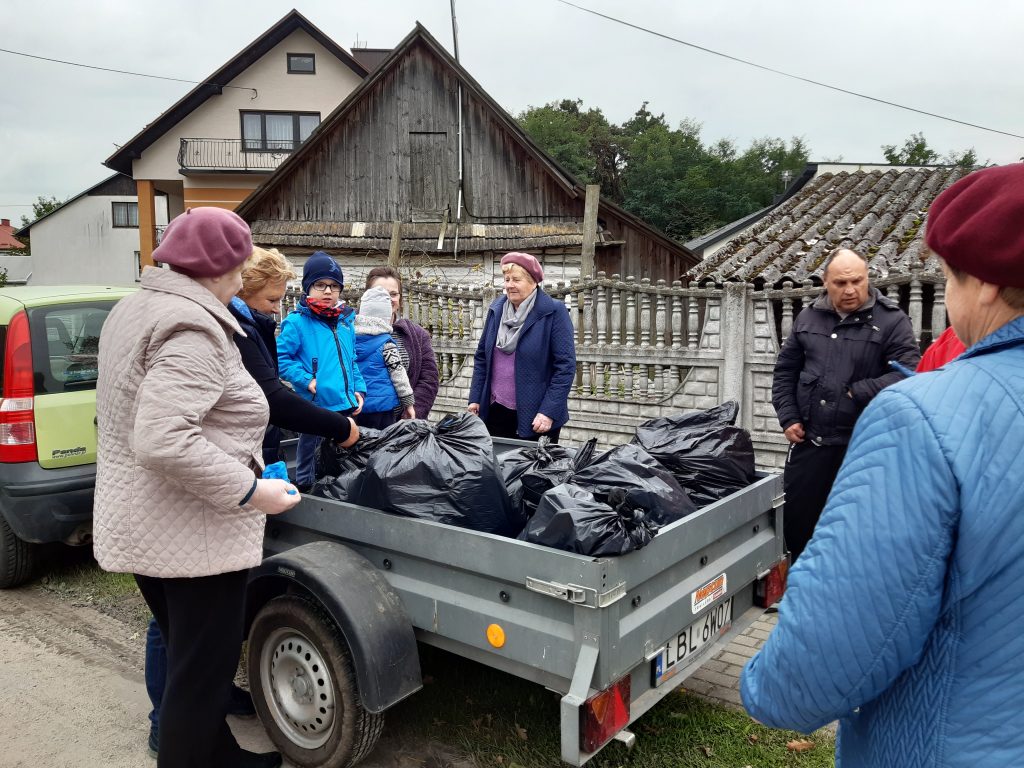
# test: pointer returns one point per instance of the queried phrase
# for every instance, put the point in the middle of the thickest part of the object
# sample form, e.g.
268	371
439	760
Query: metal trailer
345	593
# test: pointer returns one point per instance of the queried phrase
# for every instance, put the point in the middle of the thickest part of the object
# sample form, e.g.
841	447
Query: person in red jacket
945	348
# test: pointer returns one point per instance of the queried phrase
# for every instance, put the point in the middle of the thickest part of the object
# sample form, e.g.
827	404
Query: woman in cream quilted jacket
179	501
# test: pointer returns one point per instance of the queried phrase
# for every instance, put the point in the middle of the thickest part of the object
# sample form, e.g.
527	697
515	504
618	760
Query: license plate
685	647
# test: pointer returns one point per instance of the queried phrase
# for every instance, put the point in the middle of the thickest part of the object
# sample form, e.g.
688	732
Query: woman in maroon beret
525	363
895	621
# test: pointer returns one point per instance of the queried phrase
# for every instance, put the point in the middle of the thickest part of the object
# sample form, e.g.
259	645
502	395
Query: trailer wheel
304	686
17	557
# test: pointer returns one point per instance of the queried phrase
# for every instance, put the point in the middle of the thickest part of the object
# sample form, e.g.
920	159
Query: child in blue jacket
389	396
316	353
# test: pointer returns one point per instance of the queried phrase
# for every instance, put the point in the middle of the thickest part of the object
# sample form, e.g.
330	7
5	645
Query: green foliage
665	175
915	151
42	206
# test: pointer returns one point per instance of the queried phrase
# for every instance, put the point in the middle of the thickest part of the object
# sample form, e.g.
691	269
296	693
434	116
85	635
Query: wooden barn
420	167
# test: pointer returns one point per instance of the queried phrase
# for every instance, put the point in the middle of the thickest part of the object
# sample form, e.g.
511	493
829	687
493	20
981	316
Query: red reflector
17	414
769	589
604	714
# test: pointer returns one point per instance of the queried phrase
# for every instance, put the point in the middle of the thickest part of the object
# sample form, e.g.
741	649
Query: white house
228	134
92	238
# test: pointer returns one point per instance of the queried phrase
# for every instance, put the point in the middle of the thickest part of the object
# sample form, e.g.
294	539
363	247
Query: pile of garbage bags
544	493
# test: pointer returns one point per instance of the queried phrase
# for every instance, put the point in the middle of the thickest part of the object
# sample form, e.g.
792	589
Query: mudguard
369	613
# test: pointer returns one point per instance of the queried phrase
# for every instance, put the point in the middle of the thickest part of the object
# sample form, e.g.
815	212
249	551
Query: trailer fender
367	610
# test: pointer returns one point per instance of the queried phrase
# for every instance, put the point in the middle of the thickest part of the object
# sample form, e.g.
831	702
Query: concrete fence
654	349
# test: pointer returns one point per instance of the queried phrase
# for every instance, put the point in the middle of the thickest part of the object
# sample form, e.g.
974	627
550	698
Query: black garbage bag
339	469
444	472
709	456
541	477
570	518
646	483
544	456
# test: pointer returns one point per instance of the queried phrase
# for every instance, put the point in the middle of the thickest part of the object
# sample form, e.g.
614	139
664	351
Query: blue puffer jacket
902	615
304	338
380	392
545	363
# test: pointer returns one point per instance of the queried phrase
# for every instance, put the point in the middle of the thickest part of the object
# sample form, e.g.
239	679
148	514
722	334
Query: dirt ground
72	693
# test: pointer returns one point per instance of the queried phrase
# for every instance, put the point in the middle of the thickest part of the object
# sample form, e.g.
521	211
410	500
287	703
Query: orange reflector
604	714
769	590
496	635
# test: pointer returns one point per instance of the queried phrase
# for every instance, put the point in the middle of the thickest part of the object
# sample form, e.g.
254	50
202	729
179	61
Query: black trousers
504	422
202	620
810	472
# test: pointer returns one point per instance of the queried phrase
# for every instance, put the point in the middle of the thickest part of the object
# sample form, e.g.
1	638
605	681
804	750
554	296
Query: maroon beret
977	225
205	242
527	262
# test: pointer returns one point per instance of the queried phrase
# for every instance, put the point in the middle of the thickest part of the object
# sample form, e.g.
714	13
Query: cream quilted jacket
180	428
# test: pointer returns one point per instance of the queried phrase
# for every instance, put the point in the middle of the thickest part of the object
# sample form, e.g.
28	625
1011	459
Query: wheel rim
298	688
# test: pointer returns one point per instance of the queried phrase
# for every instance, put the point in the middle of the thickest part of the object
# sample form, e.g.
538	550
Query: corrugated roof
879	213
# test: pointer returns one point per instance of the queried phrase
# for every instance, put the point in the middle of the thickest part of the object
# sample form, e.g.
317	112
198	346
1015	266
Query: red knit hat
527	262
977	225
205	242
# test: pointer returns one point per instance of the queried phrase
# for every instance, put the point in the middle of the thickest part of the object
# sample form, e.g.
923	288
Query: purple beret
527	262
205	242
977	225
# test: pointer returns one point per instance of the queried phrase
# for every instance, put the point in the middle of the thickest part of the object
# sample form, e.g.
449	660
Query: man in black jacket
834	361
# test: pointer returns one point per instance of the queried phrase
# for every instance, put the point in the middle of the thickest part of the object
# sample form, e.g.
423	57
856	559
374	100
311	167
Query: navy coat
545	363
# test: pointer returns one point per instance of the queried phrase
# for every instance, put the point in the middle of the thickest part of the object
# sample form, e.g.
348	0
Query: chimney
5	222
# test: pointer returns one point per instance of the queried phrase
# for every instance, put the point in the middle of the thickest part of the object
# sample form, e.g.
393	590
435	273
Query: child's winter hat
320	266
376	302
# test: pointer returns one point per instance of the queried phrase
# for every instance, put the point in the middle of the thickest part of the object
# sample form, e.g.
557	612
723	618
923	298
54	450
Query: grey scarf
512	322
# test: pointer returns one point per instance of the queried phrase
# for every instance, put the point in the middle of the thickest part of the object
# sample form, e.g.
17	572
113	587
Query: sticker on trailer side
704	596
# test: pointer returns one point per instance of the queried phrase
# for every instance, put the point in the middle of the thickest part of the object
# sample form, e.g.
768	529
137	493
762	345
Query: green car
49	337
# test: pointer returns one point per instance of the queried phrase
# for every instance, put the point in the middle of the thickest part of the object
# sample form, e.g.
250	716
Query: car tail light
17	415
769	589
604	714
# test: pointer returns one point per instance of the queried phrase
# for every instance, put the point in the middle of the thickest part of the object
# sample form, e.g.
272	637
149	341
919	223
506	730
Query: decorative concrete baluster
599	383
676	328
616	311
939	311
692	321
639	382
465	318
655	391
588	316
627	391
916	307
659	316
787	311
601	308
630	312
645	313
614	380
893	292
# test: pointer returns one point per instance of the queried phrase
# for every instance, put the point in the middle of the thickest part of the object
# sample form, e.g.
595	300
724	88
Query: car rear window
65	343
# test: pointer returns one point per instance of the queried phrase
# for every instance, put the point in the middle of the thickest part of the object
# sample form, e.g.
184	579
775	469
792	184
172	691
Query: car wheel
17	558
304	686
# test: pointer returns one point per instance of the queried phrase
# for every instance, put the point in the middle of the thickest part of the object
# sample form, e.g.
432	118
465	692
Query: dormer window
301	64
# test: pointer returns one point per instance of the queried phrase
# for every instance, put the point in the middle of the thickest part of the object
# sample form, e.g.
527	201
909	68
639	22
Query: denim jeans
156	670
305	459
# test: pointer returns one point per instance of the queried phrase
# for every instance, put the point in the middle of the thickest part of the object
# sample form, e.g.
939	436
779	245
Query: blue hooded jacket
902	615
305	337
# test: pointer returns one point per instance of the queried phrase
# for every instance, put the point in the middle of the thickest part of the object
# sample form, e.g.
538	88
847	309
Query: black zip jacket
830	368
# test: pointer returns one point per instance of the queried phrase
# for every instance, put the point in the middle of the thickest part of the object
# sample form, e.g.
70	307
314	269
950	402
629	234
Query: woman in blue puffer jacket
900	619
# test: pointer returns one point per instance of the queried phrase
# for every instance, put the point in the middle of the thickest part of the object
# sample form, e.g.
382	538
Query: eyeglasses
324	287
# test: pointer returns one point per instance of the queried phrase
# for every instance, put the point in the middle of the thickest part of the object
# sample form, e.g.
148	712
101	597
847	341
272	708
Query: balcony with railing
232	155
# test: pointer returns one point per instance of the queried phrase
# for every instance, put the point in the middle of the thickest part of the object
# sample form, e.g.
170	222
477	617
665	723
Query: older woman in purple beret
525	363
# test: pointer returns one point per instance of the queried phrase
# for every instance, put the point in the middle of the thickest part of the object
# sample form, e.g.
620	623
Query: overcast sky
964	60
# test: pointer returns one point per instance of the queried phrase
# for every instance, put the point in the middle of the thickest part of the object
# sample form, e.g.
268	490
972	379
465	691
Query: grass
502	721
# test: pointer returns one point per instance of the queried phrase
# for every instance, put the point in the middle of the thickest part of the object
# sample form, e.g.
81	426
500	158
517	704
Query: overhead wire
787	74
123	71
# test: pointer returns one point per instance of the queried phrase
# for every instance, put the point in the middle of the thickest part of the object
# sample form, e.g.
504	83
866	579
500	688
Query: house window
277	131
301	64
125	215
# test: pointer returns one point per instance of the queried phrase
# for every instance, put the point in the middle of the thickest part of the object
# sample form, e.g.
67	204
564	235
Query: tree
915	151
41	207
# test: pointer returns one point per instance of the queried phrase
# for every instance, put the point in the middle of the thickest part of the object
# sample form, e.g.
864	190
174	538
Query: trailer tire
17	558
304	686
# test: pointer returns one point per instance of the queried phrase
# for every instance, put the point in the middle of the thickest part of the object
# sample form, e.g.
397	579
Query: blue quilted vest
380	392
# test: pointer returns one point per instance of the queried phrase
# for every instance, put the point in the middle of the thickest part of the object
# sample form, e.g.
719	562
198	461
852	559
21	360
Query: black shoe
240	702
154	742
259	759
